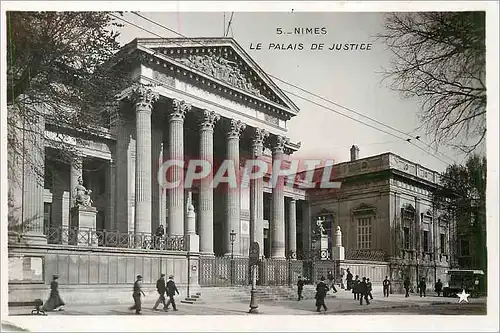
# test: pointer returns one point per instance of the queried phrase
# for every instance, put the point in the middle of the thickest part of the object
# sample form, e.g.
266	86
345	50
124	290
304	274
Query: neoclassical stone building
207	99
386	211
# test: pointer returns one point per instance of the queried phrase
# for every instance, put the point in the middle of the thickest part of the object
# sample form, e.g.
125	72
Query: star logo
463	297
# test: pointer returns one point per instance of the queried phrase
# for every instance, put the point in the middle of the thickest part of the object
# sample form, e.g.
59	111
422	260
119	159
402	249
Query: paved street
340	303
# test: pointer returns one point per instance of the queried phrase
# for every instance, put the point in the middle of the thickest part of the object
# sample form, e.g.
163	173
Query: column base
33	238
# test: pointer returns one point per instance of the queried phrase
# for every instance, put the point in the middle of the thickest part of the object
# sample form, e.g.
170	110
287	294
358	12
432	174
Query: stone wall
94	275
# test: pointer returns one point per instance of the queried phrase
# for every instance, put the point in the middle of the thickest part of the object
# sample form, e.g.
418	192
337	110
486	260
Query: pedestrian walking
406	285
171	291
363	291
331	280
386	285
300	288
136	294
355	289
422	286
55	302
438	287
369	288
321	290
161	289
349	279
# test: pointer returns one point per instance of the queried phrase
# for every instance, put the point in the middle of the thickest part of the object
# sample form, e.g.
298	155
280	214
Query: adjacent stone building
385	209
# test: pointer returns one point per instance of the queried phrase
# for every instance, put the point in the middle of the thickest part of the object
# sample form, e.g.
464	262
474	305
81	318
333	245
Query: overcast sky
349	78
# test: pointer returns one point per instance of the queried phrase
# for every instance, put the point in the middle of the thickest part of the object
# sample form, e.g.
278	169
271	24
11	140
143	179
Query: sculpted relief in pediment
222	69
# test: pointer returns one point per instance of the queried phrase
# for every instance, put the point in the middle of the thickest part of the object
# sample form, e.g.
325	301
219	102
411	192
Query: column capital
179	110
258	137
208	120
279	144
236	127
143	96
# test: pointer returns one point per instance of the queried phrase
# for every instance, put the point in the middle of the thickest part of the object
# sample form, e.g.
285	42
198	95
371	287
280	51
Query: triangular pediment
225	61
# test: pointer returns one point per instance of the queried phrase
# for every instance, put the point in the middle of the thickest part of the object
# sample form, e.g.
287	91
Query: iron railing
114	239
372	255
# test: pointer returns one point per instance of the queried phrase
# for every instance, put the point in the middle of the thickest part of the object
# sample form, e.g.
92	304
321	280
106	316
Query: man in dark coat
161	288
422	286
369	288
137	295
363	291
54	303
387	285
349	279
406	285
355	289
171	290
300	288
321	290
438	287
160	233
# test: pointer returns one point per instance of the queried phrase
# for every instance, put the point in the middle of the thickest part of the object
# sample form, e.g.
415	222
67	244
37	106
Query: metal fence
113	238
224	271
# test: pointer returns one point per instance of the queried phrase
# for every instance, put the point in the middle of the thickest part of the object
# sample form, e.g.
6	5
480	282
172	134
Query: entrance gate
225	272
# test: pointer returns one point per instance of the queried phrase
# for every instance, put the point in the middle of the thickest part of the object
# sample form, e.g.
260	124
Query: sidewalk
339	303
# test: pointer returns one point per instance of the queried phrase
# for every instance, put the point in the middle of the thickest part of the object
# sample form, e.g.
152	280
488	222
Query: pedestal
322	247
193	243
83	220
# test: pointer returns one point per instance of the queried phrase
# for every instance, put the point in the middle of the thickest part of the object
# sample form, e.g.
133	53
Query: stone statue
82	197
320	230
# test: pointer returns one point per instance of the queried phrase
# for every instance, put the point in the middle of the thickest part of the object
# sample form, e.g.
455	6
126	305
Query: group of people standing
361	289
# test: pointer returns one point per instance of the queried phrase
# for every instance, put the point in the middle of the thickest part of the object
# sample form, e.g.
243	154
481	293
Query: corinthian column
257	193
292	229
233	196
206	205
176	173
144	99
278	202
34	169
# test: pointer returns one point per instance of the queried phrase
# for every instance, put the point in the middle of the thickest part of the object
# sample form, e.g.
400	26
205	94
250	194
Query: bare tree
59	78
439	58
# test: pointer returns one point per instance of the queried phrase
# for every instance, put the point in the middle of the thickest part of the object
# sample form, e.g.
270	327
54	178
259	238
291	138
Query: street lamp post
232	238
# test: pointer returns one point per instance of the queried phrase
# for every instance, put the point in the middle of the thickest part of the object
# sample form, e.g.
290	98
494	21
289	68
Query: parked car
469	280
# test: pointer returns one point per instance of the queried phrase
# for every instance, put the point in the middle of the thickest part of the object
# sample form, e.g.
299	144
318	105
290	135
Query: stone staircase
243	294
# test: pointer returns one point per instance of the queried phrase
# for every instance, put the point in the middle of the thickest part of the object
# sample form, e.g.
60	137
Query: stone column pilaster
233	218
257	193
306	227
278	203
163	192
176	152
34	169
111	180
292	229
206	209
144	99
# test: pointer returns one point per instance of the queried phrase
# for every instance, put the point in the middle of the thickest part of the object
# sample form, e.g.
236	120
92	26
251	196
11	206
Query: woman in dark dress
54	303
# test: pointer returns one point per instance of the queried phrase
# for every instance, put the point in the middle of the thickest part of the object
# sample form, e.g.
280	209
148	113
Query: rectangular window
364	233
425	240
442	243
406	238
